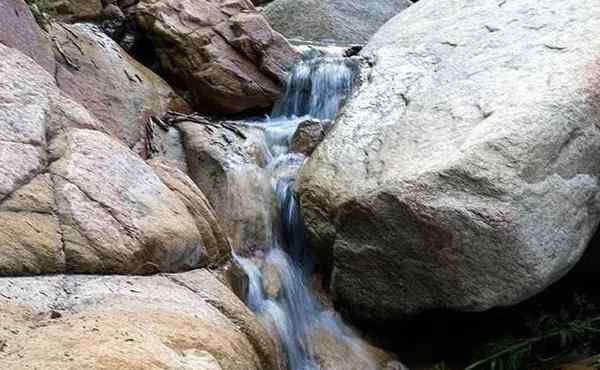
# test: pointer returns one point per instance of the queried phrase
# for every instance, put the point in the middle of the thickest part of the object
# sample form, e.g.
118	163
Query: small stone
55	315
308	136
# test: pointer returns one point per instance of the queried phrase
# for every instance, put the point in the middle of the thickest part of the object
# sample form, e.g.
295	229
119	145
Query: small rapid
280	276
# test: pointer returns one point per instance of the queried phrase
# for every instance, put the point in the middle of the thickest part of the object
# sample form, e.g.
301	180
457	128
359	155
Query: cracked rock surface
120	322
342	22
225	52
99	75
75	199
464	173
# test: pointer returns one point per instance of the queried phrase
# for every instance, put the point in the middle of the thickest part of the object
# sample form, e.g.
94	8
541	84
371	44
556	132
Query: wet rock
225	54
473	196
121	93
183	321
331	21
308	135
335	349
229	169
234	276
271	281
114	22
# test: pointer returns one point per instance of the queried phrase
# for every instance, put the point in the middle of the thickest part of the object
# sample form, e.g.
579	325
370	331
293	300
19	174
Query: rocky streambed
183	188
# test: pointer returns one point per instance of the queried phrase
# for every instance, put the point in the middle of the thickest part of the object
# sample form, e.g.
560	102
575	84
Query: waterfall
316	88
280	279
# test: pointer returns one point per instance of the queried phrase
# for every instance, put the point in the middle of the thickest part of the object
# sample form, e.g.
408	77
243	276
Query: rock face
308	135
464	174
121	224
179	321
335	350
224	53
335	21
75	10
103	78
18	29
198	205
74	199
230	170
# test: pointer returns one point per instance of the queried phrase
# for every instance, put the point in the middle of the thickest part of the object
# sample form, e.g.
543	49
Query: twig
203	121
69	30
159	123
504	352
67	59
129	76
77	46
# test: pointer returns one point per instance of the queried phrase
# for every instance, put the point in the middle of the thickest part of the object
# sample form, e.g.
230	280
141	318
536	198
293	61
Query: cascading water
315	90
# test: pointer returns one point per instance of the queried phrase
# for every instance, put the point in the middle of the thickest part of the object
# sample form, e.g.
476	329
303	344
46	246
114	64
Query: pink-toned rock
19	29
75	199
120	92
225	53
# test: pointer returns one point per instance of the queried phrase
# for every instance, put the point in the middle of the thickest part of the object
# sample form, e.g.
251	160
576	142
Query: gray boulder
335	21
464	173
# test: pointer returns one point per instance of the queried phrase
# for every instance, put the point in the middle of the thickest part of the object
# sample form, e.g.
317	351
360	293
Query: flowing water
280	278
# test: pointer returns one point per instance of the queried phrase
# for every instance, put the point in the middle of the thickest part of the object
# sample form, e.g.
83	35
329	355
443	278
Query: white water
316	89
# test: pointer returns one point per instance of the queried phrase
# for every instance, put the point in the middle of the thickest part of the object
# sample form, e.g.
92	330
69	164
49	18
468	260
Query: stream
294	315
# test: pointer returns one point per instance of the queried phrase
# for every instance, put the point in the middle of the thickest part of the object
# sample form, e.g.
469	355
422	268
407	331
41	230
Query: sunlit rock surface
464	173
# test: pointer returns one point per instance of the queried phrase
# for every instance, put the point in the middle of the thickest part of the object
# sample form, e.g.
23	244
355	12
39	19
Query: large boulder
180	321
120	92
331	21
117	214
229	166
93	70
198	205
224	53
74	199
464	173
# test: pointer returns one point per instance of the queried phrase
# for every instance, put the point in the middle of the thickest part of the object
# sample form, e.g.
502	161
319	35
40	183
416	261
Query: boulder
73	10
74	199
224	53
229	167
335	349
179	321
31	236
198	205
121	93
18	29
464	173
129	223
308	135
331	21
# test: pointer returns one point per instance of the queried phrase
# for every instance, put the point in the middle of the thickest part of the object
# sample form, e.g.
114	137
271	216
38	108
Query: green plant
41	9
440	366
552	336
